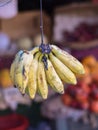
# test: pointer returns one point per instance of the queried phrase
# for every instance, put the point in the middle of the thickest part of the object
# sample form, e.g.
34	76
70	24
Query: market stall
72	27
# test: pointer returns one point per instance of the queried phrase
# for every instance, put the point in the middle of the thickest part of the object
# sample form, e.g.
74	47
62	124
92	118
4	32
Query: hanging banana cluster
33	71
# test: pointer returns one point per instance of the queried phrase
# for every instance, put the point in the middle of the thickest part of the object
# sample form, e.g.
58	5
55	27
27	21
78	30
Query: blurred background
73	26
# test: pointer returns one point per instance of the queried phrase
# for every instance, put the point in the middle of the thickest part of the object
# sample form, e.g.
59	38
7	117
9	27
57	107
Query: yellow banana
70	61
34	50
13	67
41	79
32	81
63	71
22	70
53	78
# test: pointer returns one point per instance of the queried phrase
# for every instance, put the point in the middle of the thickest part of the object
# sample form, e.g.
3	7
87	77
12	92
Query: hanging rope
44	47
41	22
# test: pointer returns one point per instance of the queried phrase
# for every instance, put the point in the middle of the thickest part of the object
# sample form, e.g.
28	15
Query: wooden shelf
83	45
78	9
26	24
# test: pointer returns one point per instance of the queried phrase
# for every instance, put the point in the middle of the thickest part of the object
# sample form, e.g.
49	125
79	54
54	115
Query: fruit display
82	40
82	33
84	95
46	65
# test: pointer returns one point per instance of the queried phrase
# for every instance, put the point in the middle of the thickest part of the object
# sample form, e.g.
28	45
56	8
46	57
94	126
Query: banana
34	50
32	81
53	78
70	61
63	71
22	70
41	79
29	71
13	67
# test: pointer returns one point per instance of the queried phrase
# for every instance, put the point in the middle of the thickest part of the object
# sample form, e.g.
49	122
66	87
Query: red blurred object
81	95
94	91
13	122
84	105
85	87
94	106
74	104
66	99
95	1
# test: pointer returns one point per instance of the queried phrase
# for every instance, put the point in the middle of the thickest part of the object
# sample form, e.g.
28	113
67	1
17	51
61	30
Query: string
41	22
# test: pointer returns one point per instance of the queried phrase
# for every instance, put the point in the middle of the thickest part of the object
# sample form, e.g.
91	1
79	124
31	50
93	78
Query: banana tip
62	92
75	82
44	97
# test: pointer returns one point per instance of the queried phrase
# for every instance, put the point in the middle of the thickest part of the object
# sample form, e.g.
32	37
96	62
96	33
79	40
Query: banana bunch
47	65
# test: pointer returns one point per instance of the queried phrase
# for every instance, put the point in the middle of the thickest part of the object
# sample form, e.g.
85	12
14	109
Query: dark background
48	5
